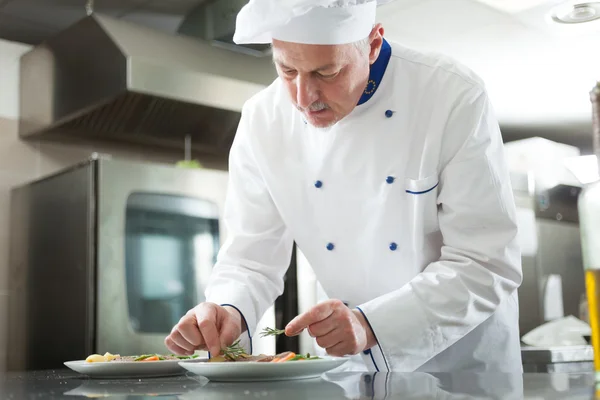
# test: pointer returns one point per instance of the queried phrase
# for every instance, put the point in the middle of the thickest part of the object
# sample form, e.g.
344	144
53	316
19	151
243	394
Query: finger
314	315
322	328
229	332
180	341
331	339
190	332
206	318
339	350
175	349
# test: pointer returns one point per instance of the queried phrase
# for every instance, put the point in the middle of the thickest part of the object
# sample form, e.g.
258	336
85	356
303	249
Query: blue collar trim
377	71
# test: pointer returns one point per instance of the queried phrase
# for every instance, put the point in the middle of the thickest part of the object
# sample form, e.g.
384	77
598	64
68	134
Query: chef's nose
307	91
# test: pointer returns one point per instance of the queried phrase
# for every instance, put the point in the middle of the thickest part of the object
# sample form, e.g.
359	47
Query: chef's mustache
316	106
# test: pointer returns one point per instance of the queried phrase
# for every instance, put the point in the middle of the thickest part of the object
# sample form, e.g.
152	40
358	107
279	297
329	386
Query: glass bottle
589	223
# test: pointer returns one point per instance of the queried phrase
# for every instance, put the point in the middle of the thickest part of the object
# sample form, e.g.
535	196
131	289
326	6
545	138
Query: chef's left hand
338	329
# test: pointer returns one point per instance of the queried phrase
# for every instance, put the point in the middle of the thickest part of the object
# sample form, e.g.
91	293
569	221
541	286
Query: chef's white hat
306	21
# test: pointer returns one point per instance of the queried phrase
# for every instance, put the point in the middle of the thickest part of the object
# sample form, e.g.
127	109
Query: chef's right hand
207	326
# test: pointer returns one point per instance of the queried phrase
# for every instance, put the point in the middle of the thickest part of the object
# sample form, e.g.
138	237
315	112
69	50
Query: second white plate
128	369
262	371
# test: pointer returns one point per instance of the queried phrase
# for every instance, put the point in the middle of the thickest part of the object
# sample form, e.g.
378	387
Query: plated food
131	366
233	364
107	357
235	353
264	368
115	366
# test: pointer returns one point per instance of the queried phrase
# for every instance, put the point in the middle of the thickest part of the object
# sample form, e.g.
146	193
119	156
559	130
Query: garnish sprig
234	351
271	332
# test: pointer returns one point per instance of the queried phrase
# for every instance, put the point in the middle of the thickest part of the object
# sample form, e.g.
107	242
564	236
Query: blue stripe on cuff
380	349
245	323
370	353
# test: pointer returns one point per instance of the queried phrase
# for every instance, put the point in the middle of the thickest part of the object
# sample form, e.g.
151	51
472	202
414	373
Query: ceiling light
576	13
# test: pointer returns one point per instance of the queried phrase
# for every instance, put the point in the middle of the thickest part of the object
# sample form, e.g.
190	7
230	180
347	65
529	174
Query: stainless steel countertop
59	384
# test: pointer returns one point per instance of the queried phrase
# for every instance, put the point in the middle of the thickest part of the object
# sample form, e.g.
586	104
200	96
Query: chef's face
325	82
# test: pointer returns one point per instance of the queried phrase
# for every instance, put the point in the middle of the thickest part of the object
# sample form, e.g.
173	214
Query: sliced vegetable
149	357
301	357
143	357
284	357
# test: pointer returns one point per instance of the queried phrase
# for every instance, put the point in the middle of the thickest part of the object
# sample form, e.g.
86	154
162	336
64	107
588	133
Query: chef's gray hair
363	45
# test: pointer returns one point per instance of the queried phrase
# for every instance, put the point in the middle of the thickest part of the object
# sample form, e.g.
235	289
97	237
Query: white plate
263	371
128	369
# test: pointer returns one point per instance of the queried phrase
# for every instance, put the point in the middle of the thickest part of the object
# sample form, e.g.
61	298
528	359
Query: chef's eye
327	76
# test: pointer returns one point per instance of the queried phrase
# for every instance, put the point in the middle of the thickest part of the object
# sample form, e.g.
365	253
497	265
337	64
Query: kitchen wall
22	161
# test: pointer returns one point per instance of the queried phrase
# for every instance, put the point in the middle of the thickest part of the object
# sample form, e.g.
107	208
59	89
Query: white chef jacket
403	209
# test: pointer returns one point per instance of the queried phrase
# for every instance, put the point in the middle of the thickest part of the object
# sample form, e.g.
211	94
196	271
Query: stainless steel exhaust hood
214	21
110	80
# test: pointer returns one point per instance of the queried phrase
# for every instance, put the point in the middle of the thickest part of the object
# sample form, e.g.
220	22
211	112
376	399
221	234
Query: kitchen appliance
107	255
589	211
546	194
108	80
553	282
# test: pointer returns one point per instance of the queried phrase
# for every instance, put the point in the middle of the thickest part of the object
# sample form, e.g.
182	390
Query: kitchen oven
107	256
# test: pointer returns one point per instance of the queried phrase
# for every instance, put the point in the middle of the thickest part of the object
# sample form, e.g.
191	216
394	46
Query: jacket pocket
421	186
421	200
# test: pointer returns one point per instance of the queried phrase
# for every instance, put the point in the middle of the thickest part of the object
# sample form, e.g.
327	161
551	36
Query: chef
386	167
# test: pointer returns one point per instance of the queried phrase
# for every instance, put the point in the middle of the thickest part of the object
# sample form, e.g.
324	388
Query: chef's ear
376	41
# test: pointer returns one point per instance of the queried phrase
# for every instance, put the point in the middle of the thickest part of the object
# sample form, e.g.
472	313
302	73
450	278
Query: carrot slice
153	358
287	357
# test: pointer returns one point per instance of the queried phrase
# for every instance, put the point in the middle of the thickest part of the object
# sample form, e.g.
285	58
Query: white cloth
430	177
306	21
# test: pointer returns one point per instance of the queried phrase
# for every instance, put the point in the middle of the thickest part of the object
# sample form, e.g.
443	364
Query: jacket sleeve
480	262
249	271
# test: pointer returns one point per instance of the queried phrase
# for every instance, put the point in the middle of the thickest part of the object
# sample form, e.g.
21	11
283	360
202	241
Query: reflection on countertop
65	384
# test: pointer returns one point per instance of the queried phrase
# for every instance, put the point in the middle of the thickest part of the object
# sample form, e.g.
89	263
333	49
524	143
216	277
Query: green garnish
304	357
271	332
189	164
234	351
186	357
